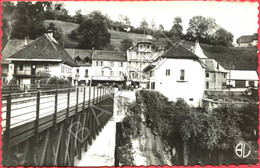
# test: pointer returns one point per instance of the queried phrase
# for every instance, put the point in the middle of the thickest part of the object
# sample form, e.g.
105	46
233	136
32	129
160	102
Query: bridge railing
20	108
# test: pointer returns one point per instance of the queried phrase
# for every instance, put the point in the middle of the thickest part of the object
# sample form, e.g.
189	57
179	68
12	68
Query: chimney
50	33
26	40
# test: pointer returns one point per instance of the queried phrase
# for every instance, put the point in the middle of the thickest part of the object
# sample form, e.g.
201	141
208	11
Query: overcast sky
240	18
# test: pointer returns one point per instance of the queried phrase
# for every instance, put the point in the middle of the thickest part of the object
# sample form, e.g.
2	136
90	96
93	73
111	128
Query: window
102	73
207	74
21	67
152	85
121	64
77	70
96	63
46	67
151	73
191	99
168	71
120	73
111	64
224	75
86	72
207	85
101	63
111	73
182	75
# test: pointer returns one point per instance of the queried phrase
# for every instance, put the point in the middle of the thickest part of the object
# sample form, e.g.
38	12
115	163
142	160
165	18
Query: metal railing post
84	97
94	95
68	106
77	102
37	117
55	111
6	145
89	99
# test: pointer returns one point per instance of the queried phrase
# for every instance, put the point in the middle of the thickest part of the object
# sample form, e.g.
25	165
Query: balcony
108	78
34	73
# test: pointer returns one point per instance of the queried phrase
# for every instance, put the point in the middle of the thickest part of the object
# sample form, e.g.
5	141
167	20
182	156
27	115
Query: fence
27	114
19	88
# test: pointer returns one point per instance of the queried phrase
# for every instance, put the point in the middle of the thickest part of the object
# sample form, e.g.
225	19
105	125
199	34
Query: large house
242	78
139	56
83	58
216	75
178	73
42	57
249	40
108	67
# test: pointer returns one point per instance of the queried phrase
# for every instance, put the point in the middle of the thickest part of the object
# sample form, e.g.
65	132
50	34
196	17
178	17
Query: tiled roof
80	56
11	47
247	39
243	75
109	55
179	51
44	48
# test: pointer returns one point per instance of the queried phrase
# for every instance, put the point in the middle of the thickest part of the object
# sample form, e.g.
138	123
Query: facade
11	47
215	74
108	67
139	56
242	79
42	57
178	73
83	58
249	40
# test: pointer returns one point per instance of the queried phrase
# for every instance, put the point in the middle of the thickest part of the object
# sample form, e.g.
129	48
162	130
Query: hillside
116	36
242	58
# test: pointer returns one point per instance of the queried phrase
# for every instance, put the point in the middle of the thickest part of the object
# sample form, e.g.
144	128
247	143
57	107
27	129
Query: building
83	58
108	67
242	78
139	56
249	40
215	74
42	57
178	73
11	47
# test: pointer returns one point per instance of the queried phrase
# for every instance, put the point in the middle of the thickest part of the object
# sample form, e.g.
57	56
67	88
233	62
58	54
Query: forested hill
241	58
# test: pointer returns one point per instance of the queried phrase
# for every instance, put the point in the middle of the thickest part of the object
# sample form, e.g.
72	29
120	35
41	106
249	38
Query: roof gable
46	49
11	47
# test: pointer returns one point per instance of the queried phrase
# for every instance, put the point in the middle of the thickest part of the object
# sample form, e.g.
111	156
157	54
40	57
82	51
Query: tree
144	25
79	17
176	31
93	32
223	37
126	44
201	27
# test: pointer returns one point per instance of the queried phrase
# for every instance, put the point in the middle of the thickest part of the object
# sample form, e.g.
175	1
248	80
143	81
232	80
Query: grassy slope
116	36
242	58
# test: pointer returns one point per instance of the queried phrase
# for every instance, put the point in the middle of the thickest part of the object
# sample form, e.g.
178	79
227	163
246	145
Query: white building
139	56
108	67
178	73
242	78
83	58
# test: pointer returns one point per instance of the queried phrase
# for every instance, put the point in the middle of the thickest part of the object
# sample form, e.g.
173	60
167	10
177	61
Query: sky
239	18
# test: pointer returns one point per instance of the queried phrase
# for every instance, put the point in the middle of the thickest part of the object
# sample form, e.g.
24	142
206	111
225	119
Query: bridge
53	127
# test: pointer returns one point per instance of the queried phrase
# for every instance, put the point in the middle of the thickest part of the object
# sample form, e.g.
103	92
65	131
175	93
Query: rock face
149	149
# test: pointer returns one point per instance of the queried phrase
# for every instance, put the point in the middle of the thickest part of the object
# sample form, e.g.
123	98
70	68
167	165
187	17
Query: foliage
126	44
57	31
223	37
79	17
201	28
93	32
144	25
57	80
28	20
